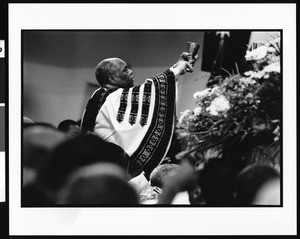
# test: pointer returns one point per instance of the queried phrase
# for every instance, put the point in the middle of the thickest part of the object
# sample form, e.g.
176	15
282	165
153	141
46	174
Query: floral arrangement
240	117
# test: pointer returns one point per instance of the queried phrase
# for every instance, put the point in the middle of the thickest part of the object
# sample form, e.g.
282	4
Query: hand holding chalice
187	59
192	49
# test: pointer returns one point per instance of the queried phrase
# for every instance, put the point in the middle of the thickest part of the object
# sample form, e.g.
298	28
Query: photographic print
166	119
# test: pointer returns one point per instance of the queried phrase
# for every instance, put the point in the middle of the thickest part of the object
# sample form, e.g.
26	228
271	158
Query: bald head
114	73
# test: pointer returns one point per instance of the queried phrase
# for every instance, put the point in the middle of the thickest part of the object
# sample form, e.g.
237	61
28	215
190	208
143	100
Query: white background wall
58	65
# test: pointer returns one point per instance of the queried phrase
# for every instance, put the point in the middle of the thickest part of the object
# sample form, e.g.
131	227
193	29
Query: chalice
192	49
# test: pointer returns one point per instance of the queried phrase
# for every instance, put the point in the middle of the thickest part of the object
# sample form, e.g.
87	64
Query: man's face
123	76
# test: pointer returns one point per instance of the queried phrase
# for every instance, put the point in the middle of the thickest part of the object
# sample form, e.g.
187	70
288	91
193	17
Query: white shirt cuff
175	71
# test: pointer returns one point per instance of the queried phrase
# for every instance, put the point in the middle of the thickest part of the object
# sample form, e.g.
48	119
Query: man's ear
111	80
197	192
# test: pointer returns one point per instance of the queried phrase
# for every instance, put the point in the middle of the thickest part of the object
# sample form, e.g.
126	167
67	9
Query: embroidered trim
155	143
93	106
146	103
134	104
92	109
103	97
123	105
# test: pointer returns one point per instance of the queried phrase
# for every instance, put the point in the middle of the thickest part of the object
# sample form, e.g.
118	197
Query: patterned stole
135	94
123	105
134	104
93	106
146	103
155	143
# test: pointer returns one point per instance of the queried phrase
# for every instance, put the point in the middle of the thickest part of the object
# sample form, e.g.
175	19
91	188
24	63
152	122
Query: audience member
38	140
211	184
161	172
268	193
182	180
217	181
250	180
29	175
74	153
34	194
27	121
195	193
150	193
69	127
96	184
86	170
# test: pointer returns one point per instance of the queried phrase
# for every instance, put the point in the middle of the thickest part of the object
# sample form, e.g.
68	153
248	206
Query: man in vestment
140	119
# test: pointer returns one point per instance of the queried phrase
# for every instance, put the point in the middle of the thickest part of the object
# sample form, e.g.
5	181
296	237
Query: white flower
247	80
254	74
197	110
212	111
219	104
271	50
273	67
216	89
257	54
249	95
183	115
277	133
275	59
201	94
186	112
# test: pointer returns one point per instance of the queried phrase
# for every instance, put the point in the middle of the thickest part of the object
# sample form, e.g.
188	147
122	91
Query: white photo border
159	220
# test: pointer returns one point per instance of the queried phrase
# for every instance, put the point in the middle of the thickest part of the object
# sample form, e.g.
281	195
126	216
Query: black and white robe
139	119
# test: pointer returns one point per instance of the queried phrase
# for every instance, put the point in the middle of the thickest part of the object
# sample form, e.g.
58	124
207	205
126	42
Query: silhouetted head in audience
38	140
69	127
74	153
27	121
250	180
100	183
216	181
161	172
268	193
34	194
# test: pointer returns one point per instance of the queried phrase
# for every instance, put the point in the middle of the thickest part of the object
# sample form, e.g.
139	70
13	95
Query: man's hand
183	66
185	63
187	57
